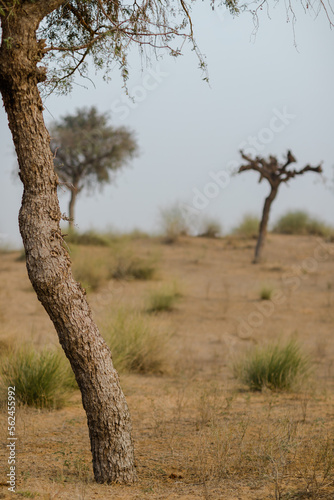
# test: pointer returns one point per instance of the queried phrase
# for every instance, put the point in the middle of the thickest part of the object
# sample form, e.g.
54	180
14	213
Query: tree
275	173
87	150
64	34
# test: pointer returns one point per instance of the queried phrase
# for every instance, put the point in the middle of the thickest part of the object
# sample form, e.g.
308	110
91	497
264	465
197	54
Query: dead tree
275	173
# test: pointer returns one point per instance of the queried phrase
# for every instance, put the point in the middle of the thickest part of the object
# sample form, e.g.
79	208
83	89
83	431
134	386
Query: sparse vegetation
274	367
89	238
210	228
203	429
300	222
163	299
173	223
130	267
90	269
40	378
248	227
93	269
136	347
266	293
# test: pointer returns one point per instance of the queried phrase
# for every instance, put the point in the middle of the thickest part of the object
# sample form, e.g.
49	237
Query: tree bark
48	262
74	193
264	224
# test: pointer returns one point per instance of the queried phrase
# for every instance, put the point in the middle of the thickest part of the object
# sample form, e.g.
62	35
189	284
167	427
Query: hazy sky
264	94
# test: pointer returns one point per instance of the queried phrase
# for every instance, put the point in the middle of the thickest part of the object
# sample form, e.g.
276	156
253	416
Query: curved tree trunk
74	193
48	263
264	224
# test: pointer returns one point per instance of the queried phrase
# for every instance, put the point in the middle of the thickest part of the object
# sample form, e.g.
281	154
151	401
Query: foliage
248	227
210	228
129	267
173	223
87	151
91	270
40	378
105	31
89	238
273	367
163	299
266	293
300	222
135	346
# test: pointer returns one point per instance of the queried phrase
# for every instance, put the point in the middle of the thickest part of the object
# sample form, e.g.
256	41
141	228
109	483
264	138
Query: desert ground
198	431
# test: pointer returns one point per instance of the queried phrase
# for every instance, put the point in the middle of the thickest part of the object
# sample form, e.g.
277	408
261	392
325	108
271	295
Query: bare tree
275	173
88	151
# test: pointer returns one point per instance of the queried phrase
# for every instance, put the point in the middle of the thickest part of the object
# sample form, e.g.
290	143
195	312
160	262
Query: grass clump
40	378
129	267
266	293
90	270
300	222
134	345
173	223
274	367
248	227
210	228
87	238
163	300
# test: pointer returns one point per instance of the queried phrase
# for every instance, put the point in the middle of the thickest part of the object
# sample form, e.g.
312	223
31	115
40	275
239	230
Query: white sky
187	129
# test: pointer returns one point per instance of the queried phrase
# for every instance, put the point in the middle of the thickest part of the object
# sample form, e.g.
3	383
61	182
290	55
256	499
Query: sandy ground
198	433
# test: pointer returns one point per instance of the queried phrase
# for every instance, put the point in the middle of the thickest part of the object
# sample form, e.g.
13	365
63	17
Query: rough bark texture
48	263
275	173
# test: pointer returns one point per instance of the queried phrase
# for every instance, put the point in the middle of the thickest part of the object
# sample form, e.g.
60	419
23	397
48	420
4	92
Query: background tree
87	151
275	173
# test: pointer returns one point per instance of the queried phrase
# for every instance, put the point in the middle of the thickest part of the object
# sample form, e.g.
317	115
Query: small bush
133	268
266	293
163	300
210	228
274	367
300	222
134	345
173	223
89	238
248	227
39	377
92	272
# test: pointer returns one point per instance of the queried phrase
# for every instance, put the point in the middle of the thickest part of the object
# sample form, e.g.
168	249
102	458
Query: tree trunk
264	224
74	193
48	263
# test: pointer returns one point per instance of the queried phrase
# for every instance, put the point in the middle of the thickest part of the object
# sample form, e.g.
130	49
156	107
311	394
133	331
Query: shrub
266	293
134	345
92	238
163	300
210	228
300	222
274	367
91	271
248	227
39	377
128	267
173	223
